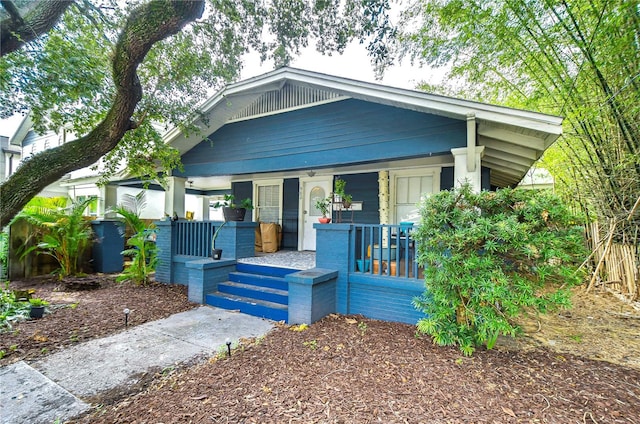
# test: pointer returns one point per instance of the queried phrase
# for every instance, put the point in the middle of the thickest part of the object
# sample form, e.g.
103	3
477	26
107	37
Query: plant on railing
339	186
141	246
232	210
490	256
61	232
216	253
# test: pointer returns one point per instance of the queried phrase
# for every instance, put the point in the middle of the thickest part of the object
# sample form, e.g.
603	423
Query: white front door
313	189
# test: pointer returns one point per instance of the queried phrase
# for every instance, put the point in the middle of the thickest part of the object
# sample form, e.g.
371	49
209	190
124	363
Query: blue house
282	139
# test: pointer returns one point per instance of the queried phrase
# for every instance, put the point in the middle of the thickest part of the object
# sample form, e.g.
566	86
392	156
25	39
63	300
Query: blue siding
345	132
363	188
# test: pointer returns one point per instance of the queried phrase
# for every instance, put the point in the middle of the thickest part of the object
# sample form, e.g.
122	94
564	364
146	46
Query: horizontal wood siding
290	209
334	134
363	188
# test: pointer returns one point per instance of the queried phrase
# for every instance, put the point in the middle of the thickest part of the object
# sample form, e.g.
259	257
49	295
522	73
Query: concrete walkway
53	388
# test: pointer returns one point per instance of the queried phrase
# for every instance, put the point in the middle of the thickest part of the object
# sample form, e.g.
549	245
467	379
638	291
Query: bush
141	246
489	256
11	309
61	232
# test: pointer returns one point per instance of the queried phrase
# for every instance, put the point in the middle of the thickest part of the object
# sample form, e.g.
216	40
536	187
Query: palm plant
62	232
140	246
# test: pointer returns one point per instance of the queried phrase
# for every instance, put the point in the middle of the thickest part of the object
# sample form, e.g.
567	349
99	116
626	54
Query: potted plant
233	211
324	206
37	307
338	190
216	253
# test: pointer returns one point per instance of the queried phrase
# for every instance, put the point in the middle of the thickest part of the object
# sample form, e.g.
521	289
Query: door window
317	193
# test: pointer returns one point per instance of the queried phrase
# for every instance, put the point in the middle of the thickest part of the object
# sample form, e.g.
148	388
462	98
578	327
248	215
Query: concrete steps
256	290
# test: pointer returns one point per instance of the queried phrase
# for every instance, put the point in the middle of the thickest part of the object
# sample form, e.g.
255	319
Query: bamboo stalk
606	250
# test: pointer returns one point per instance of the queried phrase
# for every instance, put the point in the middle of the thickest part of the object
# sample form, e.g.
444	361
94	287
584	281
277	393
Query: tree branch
145	26
17	30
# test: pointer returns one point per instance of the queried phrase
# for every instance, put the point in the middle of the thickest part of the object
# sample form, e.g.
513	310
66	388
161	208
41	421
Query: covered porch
356	269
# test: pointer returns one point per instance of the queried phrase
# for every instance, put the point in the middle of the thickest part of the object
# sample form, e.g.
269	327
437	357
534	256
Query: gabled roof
26	124
513	139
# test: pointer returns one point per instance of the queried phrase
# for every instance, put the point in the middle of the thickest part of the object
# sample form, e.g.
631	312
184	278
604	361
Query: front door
313	189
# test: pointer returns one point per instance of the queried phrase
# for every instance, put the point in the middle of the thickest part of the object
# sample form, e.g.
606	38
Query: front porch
357	269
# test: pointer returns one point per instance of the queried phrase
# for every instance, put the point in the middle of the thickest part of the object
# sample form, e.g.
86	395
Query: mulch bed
86	308
342	369
356	370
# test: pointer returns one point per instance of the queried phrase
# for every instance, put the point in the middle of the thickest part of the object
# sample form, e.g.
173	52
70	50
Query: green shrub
489	256
141	247
4	255
11	309
61	232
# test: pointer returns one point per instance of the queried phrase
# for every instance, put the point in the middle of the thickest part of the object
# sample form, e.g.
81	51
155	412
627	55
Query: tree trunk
145	26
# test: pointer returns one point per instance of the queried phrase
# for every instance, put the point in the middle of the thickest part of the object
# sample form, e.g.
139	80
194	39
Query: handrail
383	249
193	238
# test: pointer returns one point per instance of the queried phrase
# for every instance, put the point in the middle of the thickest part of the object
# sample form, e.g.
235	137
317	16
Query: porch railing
193	238
385	250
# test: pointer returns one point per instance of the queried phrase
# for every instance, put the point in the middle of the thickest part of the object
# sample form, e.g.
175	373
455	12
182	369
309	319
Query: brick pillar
334	252
164	243
237	239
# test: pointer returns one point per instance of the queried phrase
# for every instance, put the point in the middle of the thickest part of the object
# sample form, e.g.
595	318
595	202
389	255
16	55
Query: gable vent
289	97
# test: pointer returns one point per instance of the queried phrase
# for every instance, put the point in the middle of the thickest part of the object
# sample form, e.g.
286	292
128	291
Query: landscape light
126	317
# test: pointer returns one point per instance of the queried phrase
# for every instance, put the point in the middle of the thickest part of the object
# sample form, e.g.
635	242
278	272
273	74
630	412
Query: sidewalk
53	388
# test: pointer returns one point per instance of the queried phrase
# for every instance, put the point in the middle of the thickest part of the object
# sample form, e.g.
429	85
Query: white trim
289	109
302	181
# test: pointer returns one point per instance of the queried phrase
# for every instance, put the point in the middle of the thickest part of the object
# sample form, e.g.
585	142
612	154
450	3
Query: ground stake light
228	342
126	317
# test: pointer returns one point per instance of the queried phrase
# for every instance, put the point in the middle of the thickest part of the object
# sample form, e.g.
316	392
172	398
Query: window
410	187
92	209
268	206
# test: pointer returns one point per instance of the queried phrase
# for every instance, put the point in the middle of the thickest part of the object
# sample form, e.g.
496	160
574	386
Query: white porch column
462	173
108	199
174	196
202	213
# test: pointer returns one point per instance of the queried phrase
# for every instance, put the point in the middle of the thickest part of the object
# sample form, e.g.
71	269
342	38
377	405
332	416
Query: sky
353	63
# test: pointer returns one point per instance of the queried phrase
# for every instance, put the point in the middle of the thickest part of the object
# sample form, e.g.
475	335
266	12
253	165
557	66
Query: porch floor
284	259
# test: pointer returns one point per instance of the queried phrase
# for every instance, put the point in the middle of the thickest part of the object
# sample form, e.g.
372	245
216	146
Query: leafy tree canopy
118	74
572	58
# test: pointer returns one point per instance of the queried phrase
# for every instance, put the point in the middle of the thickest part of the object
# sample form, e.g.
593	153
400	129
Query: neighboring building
537	179
10	158
79	184
29	142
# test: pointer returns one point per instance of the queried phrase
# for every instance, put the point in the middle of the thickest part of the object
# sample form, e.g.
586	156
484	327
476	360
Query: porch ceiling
513	139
